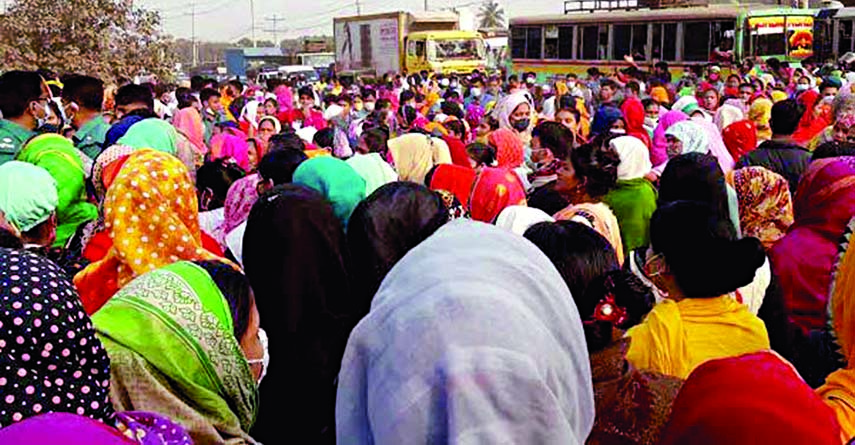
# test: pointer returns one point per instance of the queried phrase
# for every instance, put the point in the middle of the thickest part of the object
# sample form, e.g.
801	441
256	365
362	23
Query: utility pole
252	13
426	5
193	34
358	8
275	19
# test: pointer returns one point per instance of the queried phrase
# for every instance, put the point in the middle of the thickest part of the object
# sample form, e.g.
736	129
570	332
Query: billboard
370	44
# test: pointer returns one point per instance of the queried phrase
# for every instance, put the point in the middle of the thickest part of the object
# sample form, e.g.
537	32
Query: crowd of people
638	257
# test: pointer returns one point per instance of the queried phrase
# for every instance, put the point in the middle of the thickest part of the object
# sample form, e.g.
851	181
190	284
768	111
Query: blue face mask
521	125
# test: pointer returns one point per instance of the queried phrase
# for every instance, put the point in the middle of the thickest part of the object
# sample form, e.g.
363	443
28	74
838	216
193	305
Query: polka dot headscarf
50	359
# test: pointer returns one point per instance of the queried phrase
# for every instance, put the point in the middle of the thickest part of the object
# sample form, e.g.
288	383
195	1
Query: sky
229	20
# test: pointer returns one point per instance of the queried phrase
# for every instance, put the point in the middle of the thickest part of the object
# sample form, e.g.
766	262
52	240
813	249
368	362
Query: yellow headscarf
839	389
415	154
760	113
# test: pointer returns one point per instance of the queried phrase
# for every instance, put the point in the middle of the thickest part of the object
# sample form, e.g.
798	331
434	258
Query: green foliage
491	15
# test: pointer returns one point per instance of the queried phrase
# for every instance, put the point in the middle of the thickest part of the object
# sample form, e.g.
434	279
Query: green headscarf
58	156
334	179
27	194
177	320
633	202
151	133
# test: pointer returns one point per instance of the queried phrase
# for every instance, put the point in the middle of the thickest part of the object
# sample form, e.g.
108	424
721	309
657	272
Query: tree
246	42
110	39
491	14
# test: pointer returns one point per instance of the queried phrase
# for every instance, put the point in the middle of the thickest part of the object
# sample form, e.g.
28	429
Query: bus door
416	55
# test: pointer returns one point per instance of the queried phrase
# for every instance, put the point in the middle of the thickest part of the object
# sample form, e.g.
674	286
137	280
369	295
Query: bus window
722	40
767	36
639	42
588	43
664	41
696	41
565	42
799	36
844	44
622	41
525	42
550	42
533	43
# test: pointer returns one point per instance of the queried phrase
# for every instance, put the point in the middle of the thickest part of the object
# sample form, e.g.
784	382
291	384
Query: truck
400	41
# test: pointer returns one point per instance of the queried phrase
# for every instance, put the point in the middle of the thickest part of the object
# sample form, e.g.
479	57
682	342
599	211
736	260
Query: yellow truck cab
445	52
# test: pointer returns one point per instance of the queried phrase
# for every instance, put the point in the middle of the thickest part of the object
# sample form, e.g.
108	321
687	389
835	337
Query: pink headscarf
188	122
658	154
230	145
716	144
239	200
510	152
285	98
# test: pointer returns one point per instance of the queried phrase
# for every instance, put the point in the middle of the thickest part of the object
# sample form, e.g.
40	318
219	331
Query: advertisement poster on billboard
367	45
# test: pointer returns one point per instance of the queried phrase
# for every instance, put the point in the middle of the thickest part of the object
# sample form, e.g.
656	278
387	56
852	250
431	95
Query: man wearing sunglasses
24	98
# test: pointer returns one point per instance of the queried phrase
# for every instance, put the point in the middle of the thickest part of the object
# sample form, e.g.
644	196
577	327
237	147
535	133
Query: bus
835	33
686	36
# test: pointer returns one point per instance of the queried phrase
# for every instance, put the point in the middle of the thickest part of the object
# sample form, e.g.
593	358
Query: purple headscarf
658	154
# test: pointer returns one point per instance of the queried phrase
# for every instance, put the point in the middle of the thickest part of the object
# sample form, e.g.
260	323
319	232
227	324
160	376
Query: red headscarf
812	123
510	152
740	138
633	115
454	178
457	150
494	190
755	398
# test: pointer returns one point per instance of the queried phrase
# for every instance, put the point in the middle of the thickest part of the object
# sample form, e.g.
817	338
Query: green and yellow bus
576	41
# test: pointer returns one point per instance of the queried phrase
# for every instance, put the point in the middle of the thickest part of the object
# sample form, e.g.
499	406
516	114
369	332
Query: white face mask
369	106
265	358
40	121
651	122
802	87
444	82
475	91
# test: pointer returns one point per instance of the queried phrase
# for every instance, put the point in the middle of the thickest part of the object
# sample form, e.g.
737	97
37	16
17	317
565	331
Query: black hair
197	83
596	163
406	96
633	86
695	177
482	154
134	94
773	63
161	89
236	289
554	136
408	113
345	97
305	91
700	250
648	102
662	65
588	264
324	138
786	115
85	91
455	126
8	240
185	98
382	104
609	83
376	140
828	84
833	149
492	122
452	109
279	165
207	93
217	176
273	101
236	84
747	85
285	141
17	90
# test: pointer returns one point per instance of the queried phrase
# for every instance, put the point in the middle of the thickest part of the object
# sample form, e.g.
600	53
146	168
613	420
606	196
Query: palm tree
491	14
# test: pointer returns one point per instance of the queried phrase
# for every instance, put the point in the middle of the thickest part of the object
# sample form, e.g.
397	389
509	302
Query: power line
275	19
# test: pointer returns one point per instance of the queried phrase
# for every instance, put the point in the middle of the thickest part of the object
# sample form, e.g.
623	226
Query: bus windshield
781	36
456	49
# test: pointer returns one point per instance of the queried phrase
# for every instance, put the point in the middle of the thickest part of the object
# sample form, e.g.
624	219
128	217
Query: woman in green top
633	198
58	156
178	340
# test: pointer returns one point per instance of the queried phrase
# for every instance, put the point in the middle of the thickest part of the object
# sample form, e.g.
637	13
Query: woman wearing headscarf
698	264
151	133
659	150
510	152
750	399
384	227
336	181
57	155
716	146
388	395
454	178
189	123
839	388
740	138
230	146
493	190
610	301
804	258
816	118
765	205
239	201
180	341
516	112
62	366
152	216
686	137
633	113
633	198
727	115
296	258
760	112
415	154
518	219
584	181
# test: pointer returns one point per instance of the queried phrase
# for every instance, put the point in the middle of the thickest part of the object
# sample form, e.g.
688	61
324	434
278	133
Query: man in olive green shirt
82	98
24	100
